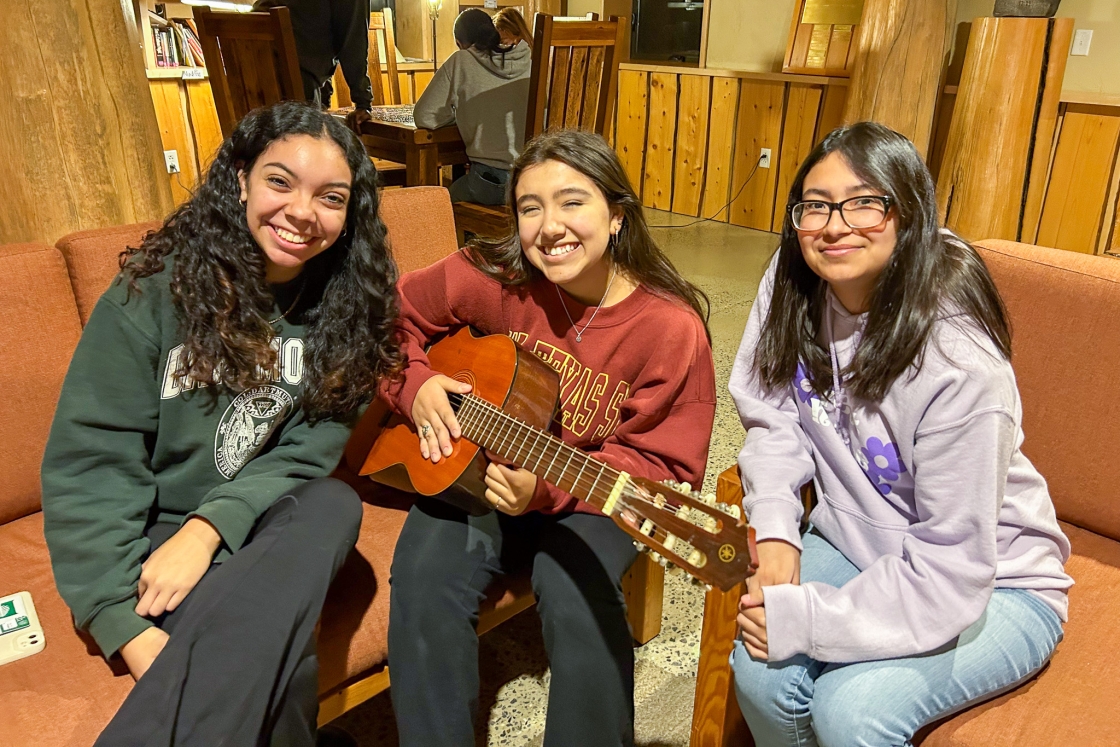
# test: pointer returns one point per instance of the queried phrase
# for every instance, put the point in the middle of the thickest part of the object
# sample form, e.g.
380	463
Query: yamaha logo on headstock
726	553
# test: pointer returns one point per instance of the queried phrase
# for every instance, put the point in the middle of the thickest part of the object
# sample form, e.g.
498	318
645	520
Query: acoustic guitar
514	395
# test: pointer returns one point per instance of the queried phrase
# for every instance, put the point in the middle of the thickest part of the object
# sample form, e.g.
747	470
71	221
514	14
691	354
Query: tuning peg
682	512
707	587
685	488
697	559
708	499
647	528
670	540
732	509
639	546
656	557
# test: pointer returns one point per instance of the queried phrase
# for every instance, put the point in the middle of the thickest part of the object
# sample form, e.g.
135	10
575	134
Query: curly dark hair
222	300
635	251
930	273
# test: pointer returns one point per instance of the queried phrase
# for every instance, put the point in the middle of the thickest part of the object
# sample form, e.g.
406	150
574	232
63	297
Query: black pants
443	563
240	668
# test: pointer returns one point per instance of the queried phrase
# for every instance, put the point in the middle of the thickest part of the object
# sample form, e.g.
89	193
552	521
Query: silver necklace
289	311
579	332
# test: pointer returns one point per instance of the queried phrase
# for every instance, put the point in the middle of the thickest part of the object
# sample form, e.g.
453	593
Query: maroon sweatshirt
638	392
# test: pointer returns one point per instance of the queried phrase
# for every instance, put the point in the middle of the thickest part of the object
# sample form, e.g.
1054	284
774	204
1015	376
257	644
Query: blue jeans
483	184
805	702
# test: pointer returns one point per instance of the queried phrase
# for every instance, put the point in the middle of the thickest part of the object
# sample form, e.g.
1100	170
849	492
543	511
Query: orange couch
64	696
1065	315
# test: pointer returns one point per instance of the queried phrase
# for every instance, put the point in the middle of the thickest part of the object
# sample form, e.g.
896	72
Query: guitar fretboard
542	453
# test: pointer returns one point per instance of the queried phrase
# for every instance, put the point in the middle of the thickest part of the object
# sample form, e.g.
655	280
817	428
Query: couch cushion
1064	308
1071	702
64	695
421	225
38	331
93	259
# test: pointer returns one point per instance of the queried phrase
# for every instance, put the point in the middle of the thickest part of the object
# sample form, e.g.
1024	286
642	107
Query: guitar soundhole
466	376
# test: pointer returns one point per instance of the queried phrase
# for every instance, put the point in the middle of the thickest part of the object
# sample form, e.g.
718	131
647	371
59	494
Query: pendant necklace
579	332
289	311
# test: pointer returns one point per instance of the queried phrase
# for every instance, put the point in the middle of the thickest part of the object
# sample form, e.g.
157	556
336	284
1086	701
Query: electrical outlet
171	160
1081	40
764	158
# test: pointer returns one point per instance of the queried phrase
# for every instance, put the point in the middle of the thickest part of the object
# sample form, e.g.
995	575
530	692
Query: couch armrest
716	719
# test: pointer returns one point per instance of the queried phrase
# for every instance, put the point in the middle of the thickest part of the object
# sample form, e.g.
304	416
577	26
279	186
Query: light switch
1081	40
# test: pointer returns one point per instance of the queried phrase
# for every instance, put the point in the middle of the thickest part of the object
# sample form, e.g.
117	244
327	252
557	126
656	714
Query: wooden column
899	61
79	143
993	175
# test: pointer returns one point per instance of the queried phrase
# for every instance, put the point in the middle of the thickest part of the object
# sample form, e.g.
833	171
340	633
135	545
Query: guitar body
500	372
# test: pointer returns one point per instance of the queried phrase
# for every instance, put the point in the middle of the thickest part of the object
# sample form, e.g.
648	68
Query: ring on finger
424	429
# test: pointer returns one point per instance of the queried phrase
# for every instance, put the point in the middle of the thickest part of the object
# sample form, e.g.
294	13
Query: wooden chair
251	60
573	85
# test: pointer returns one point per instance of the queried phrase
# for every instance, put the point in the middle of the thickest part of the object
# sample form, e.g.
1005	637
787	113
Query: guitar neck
540	452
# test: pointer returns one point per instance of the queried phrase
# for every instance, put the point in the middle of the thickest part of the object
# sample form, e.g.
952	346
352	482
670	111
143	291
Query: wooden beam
899	60
986	170
79	143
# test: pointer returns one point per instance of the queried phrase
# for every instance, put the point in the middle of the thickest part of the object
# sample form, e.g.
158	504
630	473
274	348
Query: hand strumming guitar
433	417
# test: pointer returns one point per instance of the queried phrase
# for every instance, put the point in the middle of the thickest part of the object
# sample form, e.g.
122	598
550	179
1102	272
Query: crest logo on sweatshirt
247	424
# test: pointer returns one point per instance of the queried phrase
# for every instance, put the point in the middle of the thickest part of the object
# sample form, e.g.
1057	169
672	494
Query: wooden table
422	152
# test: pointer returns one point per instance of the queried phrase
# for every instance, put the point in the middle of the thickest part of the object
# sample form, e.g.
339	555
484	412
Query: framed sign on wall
823	37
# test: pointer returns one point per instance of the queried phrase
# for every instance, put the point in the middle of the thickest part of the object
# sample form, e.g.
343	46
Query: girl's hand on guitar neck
431	409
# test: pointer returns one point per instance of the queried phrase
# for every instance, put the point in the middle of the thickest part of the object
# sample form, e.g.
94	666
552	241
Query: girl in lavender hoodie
876	363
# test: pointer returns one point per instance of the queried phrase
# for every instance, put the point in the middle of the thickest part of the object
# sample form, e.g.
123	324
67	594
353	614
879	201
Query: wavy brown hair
634	250
931	274
223	302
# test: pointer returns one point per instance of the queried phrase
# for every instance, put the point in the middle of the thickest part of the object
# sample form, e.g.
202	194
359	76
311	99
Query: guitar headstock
707	539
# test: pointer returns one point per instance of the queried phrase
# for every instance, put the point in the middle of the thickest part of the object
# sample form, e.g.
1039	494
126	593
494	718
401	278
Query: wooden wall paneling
1061	35
175	132
657	177
721	146
942	121
420	81
630	134
79	142
1114	243
798	130
759	126
1074	208
983	176
1108	239
833	100
692	143
897	71
205	127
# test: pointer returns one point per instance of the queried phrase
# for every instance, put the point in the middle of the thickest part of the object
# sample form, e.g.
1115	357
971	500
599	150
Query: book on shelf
175	43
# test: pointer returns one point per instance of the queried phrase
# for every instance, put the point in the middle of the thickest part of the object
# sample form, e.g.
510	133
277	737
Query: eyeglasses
865	211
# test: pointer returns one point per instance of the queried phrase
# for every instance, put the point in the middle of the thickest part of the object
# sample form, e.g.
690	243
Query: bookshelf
170	41
181	95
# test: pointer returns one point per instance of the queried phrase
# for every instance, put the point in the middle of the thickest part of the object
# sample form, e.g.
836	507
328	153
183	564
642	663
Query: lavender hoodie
926	492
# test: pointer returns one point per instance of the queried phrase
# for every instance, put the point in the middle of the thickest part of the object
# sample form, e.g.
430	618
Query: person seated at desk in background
330	33
484	89
512	27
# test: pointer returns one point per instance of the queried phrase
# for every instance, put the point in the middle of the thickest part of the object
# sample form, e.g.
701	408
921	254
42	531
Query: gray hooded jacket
487	97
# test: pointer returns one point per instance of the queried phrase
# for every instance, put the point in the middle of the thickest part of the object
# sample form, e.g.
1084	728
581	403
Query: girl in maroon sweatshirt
582	285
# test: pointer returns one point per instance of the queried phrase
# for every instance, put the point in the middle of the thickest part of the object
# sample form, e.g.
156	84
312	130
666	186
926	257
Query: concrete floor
726	262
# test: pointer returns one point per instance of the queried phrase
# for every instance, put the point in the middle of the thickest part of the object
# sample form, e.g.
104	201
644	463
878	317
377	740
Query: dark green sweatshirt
130	446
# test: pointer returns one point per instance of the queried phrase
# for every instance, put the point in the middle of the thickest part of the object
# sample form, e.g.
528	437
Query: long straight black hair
634	251
930	274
